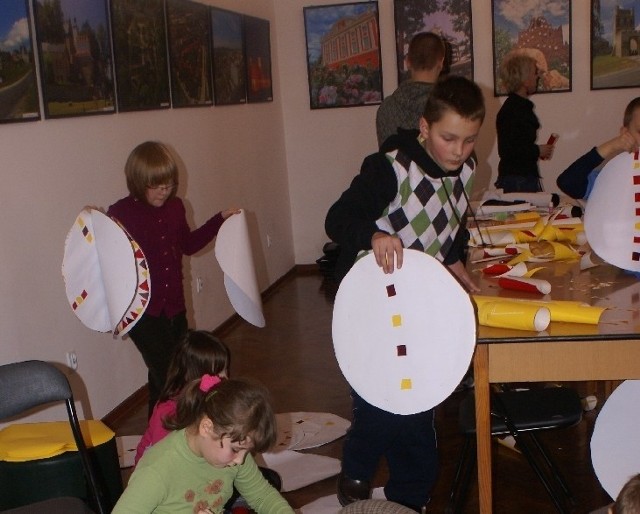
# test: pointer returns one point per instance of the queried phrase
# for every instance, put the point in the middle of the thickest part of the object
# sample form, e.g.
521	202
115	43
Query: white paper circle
611	219
100	271
615	445
405	340
233	251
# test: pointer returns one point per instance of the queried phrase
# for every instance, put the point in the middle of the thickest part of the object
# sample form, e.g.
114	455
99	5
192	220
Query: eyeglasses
162	188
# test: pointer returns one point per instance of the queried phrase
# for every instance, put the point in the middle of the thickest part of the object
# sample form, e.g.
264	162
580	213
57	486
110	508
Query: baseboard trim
140	398
127	408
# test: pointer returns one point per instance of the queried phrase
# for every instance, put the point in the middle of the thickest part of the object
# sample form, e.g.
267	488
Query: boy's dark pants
407	442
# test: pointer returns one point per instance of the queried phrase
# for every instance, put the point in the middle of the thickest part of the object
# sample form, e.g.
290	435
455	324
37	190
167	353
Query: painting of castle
75	57
615	44
540	32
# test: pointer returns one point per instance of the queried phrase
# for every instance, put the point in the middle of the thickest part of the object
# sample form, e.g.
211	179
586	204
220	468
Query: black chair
519	413
29	384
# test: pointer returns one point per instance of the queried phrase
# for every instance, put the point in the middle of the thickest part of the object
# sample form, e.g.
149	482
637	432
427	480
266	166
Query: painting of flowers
343	55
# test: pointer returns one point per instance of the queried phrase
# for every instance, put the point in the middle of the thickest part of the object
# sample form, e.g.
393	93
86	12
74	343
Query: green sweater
171	479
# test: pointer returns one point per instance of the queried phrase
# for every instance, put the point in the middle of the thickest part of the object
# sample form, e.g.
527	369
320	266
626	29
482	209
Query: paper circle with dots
615	445
105	273
404	340
612	214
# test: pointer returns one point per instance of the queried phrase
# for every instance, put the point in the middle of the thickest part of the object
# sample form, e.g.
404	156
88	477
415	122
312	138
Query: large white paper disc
615	443
233	251
403	341
106	281
612	215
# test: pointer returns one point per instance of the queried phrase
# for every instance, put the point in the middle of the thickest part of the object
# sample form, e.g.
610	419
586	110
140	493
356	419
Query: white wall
51	169
325	147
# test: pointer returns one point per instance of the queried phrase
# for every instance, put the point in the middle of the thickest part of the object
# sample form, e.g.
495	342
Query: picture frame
189	39
140	51
451	21
19	97
229	70
76	64
542	30
615	41
343	55
257	48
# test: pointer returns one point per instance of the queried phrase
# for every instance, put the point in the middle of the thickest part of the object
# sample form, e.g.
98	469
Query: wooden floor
293	356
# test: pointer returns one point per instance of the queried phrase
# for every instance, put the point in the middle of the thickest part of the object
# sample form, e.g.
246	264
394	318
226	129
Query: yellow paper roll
515	315
560	310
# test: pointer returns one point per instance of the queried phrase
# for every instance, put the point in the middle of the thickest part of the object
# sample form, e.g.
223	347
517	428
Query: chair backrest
29	384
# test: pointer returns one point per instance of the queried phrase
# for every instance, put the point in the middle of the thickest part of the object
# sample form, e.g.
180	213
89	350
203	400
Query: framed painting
451	20
343	55
615	44
257	48
19	99
229	72
541	29
76	65
140	50
189	30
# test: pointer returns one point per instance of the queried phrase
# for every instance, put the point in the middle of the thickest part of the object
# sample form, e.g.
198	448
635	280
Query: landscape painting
189	30
229	74
343	55
615	43
140	48
18	83
76	64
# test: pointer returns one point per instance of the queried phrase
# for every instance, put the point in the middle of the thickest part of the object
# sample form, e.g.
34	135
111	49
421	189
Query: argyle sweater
401	191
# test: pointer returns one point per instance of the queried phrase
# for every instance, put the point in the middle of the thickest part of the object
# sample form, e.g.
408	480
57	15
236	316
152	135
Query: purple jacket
164	236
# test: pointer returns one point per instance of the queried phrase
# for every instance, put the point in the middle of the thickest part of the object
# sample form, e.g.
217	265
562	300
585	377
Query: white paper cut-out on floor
403	340
302	430
615	445
105	272
233	251
300	469
127	446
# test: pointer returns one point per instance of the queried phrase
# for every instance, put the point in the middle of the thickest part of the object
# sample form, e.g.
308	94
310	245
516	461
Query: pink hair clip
208	382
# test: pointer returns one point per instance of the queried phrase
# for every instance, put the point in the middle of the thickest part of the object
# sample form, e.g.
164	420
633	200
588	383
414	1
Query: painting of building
352	41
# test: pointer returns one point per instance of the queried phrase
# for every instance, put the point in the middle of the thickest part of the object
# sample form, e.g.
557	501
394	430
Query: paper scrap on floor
299	469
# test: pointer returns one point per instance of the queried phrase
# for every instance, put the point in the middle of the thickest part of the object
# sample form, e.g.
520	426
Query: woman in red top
155	218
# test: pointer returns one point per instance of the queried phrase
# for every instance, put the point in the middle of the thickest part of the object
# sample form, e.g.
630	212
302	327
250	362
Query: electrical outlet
72	360
199	284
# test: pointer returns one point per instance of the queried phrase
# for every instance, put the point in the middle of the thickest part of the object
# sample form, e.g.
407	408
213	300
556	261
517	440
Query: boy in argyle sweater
412	194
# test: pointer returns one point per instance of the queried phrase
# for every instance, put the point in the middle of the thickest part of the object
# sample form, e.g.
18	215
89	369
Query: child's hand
230	212
387	250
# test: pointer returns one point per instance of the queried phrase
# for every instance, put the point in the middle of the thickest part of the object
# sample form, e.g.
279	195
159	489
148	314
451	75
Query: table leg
483	427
